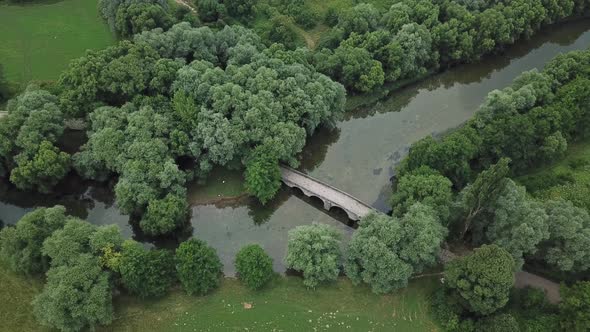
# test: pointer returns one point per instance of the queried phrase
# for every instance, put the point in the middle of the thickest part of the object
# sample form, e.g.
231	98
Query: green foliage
423	186
481	281
262	176
20	246
28	133
147	273
315	251
427	35
198	267
205	112
65	245
240	8
42	170
574	308
165	215
519	223
254	266
498	323
282	31
361	18
124	15
134	18
209	10
385	251
569	229
76	296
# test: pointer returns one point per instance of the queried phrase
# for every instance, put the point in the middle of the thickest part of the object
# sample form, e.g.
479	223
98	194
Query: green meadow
284	305
40	38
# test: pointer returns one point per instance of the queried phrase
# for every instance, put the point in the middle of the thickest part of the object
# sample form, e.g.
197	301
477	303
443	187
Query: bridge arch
331	197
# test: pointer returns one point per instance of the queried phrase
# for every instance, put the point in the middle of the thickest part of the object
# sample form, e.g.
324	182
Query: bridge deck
324	191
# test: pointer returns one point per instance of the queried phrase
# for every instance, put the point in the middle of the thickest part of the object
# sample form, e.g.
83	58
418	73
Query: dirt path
524	279
186	4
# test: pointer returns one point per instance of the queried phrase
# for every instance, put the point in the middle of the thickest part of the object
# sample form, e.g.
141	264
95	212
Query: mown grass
284	305
39	38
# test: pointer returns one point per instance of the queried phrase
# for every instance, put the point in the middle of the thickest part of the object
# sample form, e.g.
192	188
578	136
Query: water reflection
358	157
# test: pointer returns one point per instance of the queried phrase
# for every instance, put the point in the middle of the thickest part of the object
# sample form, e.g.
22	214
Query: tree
425	186
361	18
385	251
569	236
240	8
21	245
209	10
281	31
357	69
198	267
42	170
134	18
147	273
498	323
315	251
519	223
165	215
574	307
262	176
65	245
28	133
75	296
476	197
109	9
254	266
482	280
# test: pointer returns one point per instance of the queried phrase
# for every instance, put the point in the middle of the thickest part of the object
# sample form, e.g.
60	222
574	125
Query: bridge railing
327	185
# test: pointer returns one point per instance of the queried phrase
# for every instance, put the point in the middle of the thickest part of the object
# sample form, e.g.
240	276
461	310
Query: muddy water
358	157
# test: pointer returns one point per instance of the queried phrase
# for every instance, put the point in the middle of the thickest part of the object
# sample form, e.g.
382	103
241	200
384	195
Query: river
358	157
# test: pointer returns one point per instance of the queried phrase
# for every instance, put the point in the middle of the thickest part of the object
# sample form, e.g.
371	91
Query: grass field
567	178
285	305
41	37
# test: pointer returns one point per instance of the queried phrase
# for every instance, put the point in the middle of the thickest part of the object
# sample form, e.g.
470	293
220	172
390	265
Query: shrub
198	267
254	266
147	273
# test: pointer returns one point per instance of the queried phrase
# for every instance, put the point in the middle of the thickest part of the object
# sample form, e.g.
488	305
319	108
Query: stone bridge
330	196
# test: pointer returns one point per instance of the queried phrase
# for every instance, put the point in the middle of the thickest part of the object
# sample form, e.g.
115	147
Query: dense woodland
179	95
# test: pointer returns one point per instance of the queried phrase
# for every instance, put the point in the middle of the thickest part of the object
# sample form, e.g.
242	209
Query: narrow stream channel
358	157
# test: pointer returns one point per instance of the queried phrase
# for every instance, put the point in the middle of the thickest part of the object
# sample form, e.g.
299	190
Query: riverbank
285	304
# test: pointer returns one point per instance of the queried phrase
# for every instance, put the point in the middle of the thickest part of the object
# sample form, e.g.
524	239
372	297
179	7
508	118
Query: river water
358	157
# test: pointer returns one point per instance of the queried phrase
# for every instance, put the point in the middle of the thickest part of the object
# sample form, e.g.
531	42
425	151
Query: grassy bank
285	305
40	38
16	293
567	178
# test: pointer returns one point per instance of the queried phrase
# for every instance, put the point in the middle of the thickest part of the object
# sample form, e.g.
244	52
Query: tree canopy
254	266
385	251
198	267
29	133
147	273
76	296
315	251
482	280
21	245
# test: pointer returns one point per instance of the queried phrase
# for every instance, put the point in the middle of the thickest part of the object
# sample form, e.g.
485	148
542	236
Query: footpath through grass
284	305
40	37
